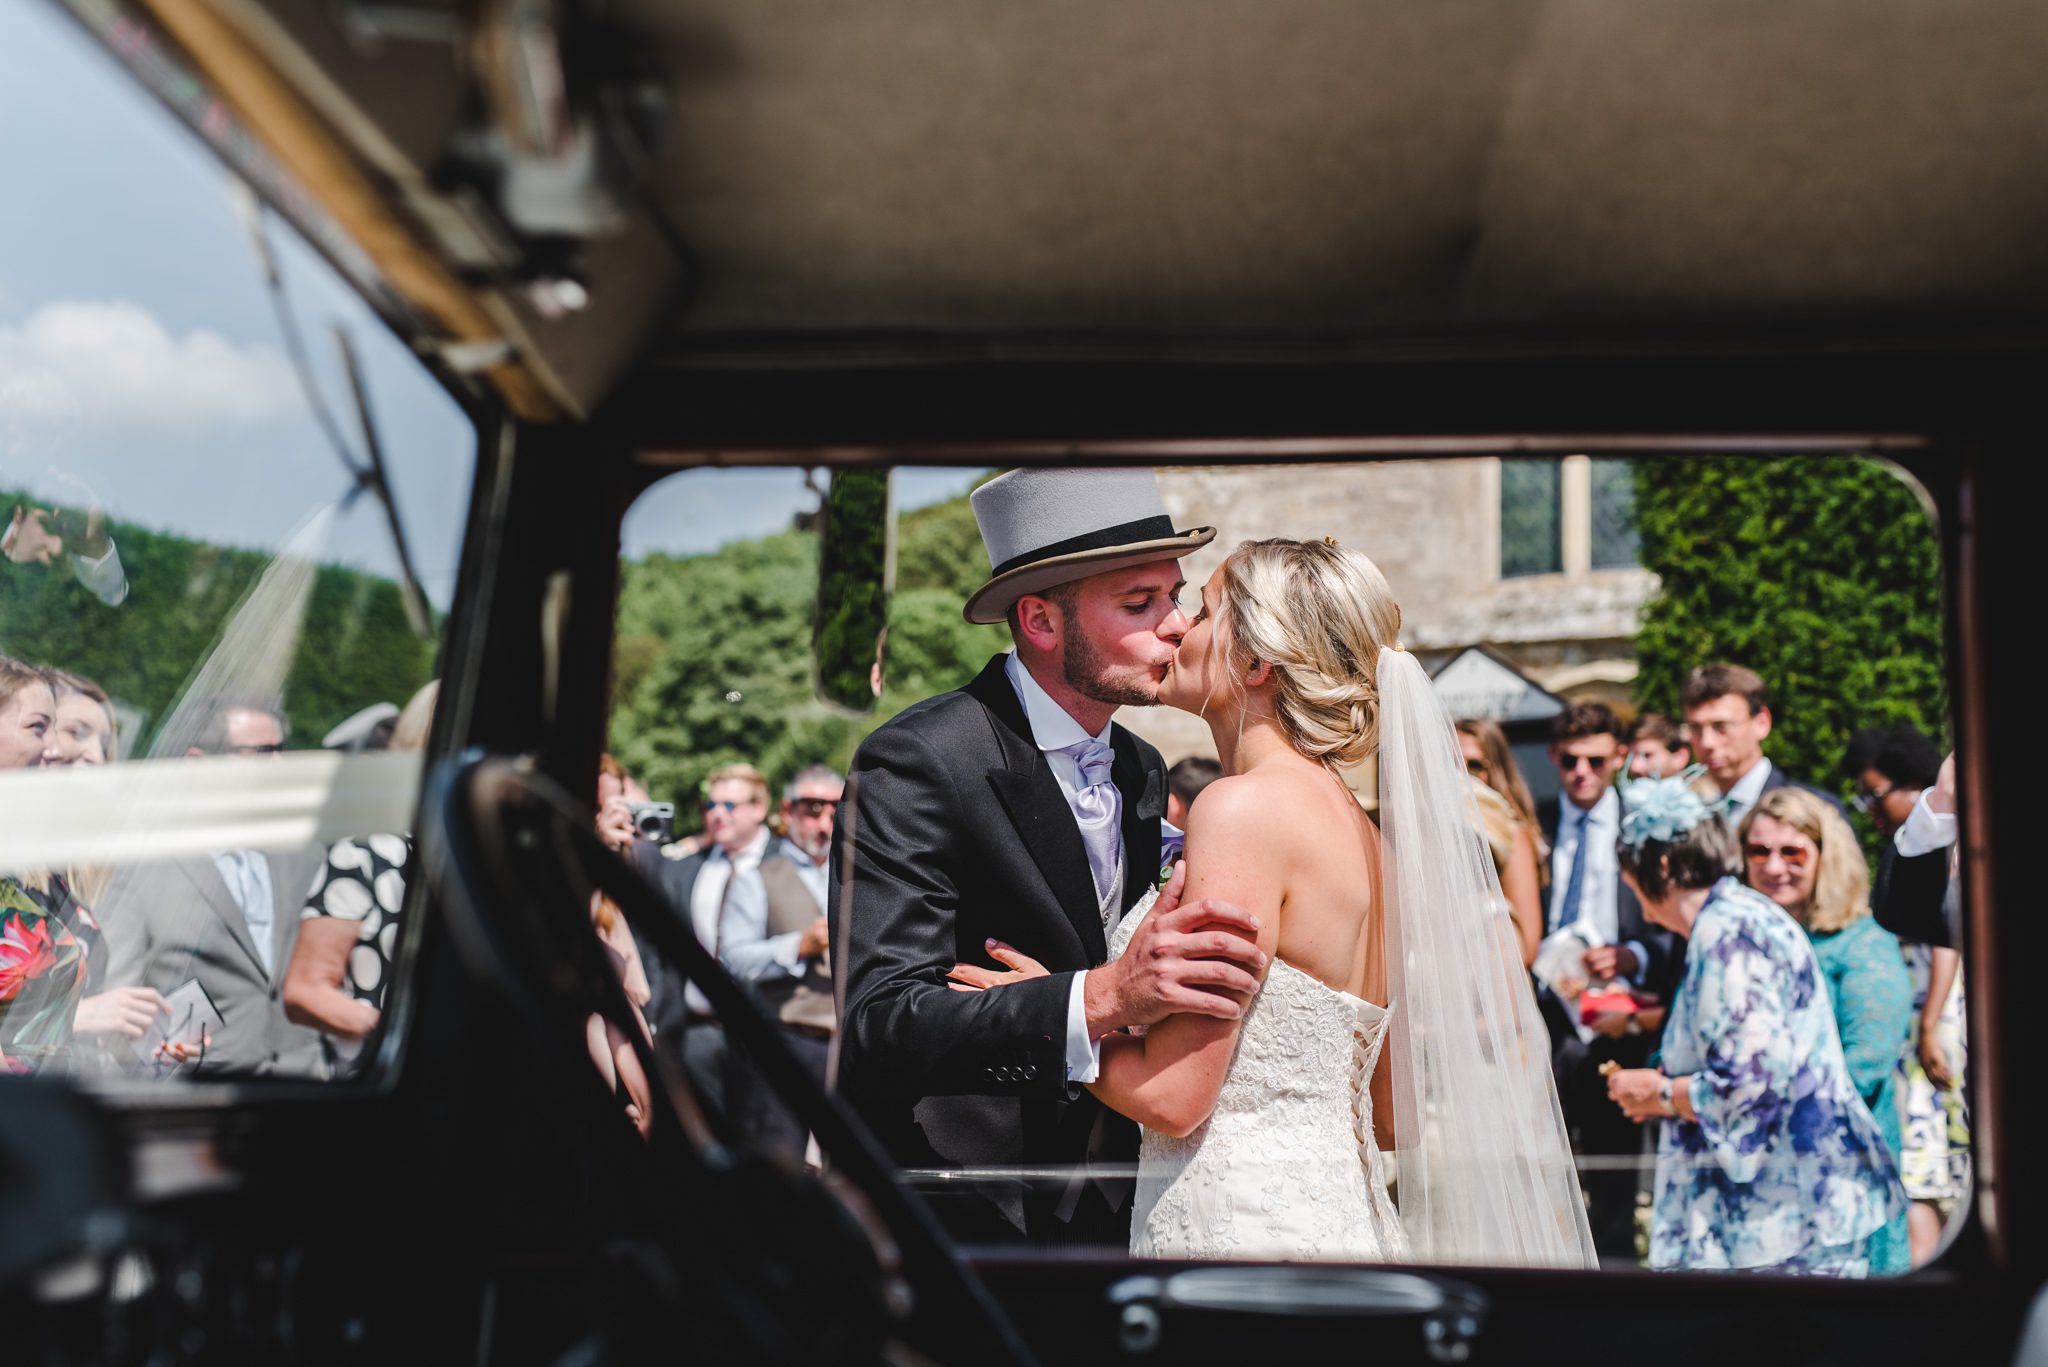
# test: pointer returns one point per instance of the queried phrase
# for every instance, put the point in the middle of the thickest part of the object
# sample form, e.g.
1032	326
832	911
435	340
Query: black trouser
765	1118
707	1064
1602	1132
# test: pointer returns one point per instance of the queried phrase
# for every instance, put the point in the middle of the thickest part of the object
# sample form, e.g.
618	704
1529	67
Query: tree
1821	573
713	657
355	646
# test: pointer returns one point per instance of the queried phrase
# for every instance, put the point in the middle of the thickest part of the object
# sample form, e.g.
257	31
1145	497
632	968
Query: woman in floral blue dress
1799	853
1768	1160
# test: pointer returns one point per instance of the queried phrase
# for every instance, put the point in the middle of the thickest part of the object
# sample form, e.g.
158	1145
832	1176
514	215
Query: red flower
25	953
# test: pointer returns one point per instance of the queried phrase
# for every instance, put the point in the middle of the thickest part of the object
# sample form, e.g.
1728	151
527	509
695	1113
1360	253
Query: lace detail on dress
1286	1166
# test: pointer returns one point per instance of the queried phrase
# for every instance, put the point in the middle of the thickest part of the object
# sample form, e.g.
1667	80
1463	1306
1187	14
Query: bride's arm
1169	1078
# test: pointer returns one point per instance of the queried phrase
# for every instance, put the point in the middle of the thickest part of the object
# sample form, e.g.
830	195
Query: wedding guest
1917	890
1728	718
1892	767
1934	1161
348	925
83	732
1657	747
612	1048
1767	1159
796	880
1594	918
226	921
1798	853
1917	898
42	955
109	1016
1507	815
1184	783
719	890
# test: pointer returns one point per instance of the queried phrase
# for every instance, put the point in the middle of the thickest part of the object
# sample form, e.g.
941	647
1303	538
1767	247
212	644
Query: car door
465	1235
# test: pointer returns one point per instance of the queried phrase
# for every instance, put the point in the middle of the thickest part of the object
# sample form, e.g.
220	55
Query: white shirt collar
796	854
1052	726
1750	786
755	848
1603	813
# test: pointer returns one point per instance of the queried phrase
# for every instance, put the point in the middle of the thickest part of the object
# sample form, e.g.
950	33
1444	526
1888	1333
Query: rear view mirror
856	574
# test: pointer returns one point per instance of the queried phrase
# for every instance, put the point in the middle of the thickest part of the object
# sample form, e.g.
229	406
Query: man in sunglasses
224	921
1593	920
719	889
796	879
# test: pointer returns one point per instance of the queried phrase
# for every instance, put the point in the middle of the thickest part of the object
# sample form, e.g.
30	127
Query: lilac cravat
1098	809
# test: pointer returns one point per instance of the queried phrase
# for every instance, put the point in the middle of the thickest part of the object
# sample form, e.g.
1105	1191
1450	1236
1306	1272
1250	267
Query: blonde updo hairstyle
1320	614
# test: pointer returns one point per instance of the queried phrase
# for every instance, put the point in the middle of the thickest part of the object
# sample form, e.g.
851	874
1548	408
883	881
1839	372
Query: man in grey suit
225	920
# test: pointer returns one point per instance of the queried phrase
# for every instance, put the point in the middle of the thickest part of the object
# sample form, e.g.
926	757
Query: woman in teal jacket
1798	852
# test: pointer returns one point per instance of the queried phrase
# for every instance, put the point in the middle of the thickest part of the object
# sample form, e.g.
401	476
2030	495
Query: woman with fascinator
1767	1159
1394	1013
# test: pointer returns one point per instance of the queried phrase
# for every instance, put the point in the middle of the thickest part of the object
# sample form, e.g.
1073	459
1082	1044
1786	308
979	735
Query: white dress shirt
1925	830
1747	791
1595	832
1052	727
247	874
740	935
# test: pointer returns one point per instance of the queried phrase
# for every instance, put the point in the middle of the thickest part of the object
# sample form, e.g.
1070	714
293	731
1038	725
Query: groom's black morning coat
959	832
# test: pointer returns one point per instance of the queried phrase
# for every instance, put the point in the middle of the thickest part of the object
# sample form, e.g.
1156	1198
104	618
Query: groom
1015	810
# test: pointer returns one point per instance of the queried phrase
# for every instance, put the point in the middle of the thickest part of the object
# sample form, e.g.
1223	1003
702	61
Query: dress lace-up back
1286	1167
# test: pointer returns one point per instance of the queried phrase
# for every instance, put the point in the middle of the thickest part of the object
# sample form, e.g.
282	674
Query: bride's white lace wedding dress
1286	1166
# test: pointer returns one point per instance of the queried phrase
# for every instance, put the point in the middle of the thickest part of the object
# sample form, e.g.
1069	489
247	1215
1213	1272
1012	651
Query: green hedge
712	660
1821	573
355	649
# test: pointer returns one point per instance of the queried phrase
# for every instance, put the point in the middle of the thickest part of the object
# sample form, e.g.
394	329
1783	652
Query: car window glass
206	628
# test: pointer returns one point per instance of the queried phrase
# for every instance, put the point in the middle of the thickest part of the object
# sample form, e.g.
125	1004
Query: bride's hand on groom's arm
1201	959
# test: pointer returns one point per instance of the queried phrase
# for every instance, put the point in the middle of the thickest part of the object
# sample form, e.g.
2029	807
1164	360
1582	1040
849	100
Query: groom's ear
1036	622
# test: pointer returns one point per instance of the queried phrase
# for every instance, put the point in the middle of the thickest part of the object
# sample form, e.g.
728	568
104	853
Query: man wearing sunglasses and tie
719	889
1593	920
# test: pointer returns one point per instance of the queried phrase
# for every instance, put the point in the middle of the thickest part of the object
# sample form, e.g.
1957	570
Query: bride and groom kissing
1264	1026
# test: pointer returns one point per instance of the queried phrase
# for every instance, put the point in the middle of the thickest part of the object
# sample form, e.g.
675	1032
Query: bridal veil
1484	1164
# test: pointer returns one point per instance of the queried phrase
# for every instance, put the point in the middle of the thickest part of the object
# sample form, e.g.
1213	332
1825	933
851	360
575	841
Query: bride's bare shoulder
1273	806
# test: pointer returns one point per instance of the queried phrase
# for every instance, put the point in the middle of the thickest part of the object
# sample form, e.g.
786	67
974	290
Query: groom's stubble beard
1087	672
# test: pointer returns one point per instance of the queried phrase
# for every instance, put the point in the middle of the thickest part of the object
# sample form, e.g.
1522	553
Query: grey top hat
1047	527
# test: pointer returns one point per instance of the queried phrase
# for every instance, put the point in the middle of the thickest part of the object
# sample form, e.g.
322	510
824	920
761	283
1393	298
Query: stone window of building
1612	514
1567	516
1531	521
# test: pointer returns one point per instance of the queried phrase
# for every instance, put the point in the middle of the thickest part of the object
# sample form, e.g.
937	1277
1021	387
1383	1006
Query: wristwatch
1634	1026
1664	1096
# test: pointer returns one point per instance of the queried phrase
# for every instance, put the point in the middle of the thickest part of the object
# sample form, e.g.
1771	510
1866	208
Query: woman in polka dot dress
348	931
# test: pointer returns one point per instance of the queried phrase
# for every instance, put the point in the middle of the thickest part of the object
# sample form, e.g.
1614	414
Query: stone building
1533	558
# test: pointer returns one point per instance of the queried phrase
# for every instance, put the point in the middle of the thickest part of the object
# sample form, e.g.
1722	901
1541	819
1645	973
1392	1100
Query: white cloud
111	367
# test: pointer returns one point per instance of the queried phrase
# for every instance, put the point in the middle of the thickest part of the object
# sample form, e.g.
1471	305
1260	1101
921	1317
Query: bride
1395	1014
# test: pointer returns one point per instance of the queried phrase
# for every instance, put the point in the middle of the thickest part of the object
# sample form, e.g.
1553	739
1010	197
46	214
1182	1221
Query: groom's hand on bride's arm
1201	959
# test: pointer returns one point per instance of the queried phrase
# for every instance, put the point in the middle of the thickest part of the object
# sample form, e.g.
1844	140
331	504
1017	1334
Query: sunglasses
1865	801
710	806
256	749
1794	856
1597	763
815	806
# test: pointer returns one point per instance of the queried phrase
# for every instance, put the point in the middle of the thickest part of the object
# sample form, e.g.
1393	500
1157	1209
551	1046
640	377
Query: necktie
1098	809
1574	886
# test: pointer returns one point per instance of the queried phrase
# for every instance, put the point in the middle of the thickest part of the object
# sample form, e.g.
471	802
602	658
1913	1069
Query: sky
142	364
